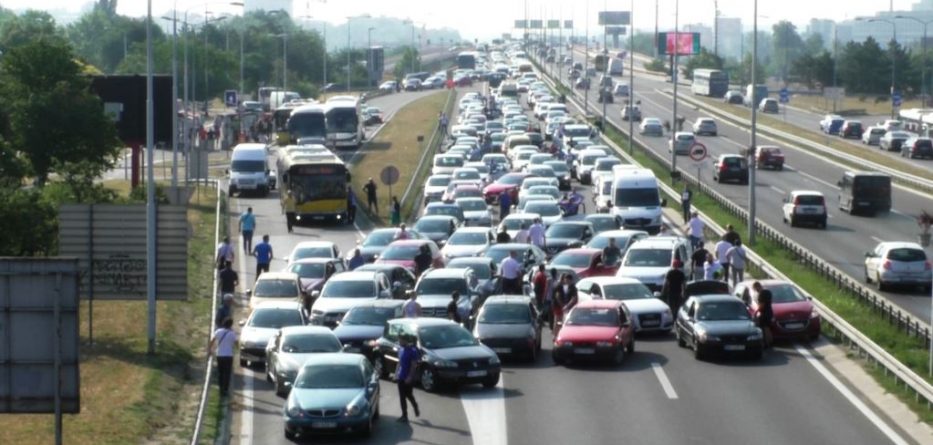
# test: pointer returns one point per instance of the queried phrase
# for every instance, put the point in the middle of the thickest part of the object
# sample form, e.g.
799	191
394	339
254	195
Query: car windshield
524	155
809	200
467	175
442	286
511	179
368	316
587	316
432	225
275	289
312	252
449	210
379	238
604	223
591	159
605	165
637	197
472	205
648	258
481	271
565	231
275	318
722	310
247	166
558	167
600	241
329	377
516	223
467	239
577	132
907	254
543	208
505	314
498	254
307	343
785	293
626	291
348	289
441	337
400	252
439	181
449	161
308	270
576	260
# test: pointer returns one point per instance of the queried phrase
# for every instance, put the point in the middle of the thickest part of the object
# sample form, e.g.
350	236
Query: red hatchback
794	314
595	329
508	181
585	262
770	157
403	253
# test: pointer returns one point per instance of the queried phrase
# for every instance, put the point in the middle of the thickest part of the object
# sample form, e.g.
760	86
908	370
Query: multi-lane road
847	237
660	395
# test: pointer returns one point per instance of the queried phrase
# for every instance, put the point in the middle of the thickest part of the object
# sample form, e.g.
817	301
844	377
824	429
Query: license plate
502	350
584	351
479	373
734	347
794	326
323	425
808	210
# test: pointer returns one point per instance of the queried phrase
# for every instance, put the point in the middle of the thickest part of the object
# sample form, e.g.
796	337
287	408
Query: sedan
378	240
794	314
595	329
333	392
510	325
313	249
435	186
314	272
651	126
624	239
506	183
892	140
769	156
468	241
567	234
288	350
705	125
898	263
603	222
584	262
476	211
649	313
549	211
363	324
717	323
731	168
403	253
529	254
265	321
437	228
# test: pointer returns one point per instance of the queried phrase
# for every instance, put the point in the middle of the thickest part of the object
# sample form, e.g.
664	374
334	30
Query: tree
741	73
54	122
864	68
410	58
25	28
787	46
813	44
704	59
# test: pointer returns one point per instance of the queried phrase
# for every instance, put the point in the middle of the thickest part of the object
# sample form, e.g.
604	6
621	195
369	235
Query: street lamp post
631	76
674	70
923	56
284	37
754	135
893	54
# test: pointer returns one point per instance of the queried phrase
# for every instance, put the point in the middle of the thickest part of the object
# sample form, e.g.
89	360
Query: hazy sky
488	18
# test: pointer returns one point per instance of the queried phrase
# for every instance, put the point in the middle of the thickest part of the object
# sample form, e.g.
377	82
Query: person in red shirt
539	285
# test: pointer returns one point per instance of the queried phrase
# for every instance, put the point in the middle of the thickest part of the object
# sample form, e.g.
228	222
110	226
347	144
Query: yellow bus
313	187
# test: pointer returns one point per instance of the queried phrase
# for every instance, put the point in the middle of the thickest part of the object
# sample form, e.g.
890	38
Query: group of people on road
727	260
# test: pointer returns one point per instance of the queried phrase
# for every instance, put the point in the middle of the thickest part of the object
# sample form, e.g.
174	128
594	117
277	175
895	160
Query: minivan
248	171
636	199
864	192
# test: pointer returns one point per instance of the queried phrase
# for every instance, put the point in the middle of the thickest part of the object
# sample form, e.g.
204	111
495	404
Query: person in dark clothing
505	203
222	345
611	253
351	205
565	298
452	311
699	260
685	197
765	314
674	286
371	203
228	279
224	312
408	358
503	236
731	235
423	259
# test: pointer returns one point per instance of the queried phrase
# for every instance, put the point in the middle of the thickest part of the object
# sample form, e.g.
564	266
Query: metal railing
430	148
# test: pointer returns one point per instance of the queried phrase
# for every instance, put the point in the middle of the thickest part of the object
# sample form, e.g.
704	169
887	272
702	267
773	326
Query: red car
770	157
403	253
463	81
508	181
595	329
794	314
585	262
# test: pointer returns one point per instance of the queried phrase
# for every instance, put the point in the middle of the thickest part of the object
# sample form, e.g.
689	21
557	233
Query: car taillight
796	200
886	265
723	167
926	265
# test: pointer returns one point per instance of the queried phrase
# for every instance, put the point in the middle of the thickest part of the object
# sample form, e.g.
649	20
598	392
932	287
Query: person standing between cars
351	205
731	235
552	282
225	341
228	279
539	286
536	234
712	269
505	203
699	260
442	122
722	248
371	202
765	313
453	312
736	255
396	216
503	236
685	196
408	357
695	228
225	253
401	233
510	269
411	308
356	260
247	226
674	286
263	254
565	298
611	253
423	259
522	236
225	311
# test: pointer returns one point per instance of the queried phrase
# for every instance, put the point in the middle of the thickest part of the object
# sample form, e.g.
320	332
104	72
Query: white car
513	222
446	163
586	161
476	211
468	242
648	260
603	168
521	159
347	290
548	210
435	186
705	125
313	249
898	263
873	135
649	313
652	126
681	143
805	206
540	190
468	174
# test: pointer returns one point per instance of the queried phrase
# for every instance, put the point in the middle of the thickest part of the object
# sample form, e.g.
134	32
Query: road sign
389	175
784	96
896	99
230	98
698	152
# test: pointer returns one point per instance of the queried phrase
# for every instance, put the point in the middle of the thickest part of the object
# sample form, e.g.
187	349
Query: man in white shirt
225	339
225	253
411	308
736	255
522	236
722	248
695	229
536	233
711	268
510	269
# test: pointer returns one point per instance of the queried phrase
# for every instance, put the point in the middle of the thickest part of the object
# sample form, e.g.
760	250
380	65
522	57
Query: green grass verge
909	350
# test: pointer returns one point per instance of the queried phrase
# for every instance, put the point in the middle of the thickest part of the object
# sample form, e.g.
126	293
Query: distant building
824	29
730	37
268	5
908	31
706	34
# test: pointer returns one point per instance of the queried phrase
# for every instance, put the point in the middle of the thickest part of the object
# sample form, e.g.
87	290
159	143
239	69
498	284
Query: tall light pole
893	53
631	75
606	58
207	21
923	56
284	37
674	70
754	141
369	62
586	56
716	27
174	20
307	16
150	193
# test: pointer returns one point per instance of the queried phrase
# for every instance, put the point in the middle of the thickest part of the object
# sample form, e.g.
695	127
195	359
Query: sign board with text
568	24
536	24
616	30
109	241
521	24
614	18
681	43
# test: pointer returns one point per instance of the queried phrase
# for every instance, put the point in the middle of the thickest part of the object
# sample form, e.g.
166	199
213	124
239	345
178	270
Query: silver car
651	126
288	349
681	143
632	112
705	125
897	263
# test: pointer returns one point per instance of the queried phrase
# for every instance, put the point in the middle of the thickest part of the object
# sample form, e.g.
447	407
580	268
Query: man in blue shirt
263	254
247	226
408	358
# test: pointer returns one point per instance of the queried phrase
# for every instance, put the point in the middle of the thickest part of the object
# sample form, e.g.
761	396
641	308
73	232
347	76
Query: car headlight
755	337
814	314
294	410
354	408
667	314
440	363
656	220
701	336
494	360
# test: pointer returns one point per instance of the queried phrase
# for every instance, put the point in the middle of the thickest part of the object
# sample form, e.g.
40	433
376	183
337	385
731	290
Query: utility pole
753	143
716	28
586	57
674	126
631	76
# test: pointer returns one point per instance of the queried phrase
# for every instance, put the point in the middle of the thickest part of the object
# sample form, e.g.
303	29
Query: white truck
248	172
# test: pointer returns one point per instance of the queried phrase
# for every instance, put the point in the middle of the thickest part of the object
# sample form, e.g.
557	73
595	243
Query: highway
846	238
660	395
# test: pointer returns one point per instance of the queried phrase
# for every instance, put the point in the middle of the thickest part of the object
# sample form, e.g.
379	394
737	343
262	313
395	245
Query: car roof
424	321
315	244
382	302
599	303
410	242
315	260
509	246
469	260
573	223
333	358
441	204
507	299
899	245
446	272
805	192
307	329
436	217
278	276
656	242
604	280
522	216
275	304
474	229
354	275
713	298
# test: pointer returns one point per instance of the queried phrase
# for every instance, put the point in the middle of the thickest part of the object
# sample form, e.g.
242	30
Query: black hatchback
731	168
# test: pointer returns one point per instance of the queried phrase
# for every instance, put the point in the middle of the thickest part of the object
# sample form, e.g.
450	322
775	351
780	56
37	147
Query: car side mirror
249	292
656	294
242	323
315	293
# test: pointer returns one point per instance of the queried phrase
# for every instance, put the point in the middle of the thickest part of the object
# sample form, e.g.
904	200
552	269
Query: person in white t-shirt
695	228
225	339
736	255
722	248
711	269
536	233
522	236
411	308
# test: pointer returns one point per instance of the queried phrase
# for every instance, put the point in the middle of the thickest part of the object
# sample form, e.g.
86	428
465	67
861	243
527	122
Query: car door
535	321
871	262
685	320
388	348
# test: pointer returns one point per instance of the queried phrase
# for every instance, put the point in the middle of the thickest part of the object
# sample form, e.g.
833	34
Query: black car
449	353
536	138
717	323
402	278
510	325
731	168
364	323
564	235
378	240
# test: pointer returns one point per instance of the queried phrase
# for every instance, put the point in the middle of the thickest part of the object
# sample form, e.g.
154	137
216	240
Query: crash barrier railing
906	179
430	148
854	339
209	366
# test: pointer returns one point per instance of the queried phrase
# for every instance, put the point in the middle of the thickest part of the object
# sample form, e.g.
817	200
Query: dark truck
866	193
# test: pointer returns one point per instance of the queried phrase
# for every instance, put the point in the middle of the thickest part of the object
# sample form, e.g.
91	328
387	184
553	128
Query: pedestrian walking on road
408	358
442	122
371	202
396	211
224	312
712	269
453	312
503	235
674	286
695	229
685	198
263	254
225	253
401	233
510	269
565	298
699	261
351	205
522	236
228	279
736	255
731	235
424	260
411	308
765	313
536	234
225	341
356	260
722	248
247	226
505	203
611	253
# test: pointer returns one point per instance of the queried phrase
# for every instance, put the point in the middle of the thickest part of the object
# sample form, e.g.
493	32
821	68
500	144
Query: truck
615	67
754	94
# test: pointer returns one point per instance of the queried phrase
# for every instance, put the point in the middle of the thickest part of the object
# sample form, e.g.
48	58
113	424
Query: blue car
333	393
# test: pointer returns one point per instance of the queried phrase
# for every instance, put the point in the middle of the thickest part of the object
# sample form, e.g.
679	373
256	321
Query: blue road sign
784	96
896	99
230	98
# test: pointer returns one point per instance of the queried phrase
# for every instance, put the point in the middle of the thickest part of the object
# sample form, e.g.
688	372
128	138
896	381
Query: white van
636	199
248	171
615	67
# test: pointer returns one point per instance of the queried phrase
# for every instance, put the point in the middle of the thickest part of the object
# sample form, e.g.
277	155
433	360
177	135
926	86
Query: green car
333	393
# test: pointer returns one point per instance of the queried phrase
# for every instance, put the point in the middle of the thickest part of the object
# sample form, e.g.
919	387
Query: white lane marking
852	398
359	231
485	413
877	239
665	382
811	177
780	192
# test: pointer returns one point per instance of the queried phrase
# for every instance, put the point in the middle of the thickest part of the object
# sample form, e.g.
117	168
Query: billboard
109	242
616	30
553	24
39	335
614	18
568	24
377	57
536	24
521	24
681	44
125	98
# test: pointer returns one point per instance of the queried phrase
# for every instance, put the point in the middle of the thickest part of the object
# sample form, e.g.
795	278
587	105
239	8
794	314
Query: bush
657	65
30	223
139	194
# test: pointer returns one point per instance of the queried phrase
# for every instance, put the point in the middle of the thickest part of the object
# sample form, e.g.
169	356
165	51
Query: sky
485	19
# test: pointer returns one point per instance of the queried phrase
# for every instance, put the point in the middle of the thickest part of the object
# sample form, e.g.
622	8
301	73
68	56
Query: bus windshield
343	120
302	125
311	187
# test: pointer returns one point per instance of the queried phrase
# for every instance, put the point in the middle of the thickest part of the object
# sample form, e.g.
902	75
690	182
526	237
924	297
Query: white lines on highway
811	177
485	413
665	382
877	239
778	190
852	398
359	231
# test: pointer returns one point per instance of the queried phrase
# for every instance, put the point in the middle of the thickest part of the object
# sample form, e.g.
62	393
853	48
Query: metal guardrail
209	370
904	178
855	339
430	148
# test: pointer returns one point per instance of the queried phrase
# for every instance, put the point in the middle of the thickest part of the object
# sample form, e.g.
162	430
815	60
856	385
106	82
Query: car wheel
680	338
533	355
779	167
379	367
619	357
377	413
491	381
429	380
793	222
367	429
697	352
290	435
631	347
757	355
557	360
867	278
280	389
882	286
244	363
269	371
